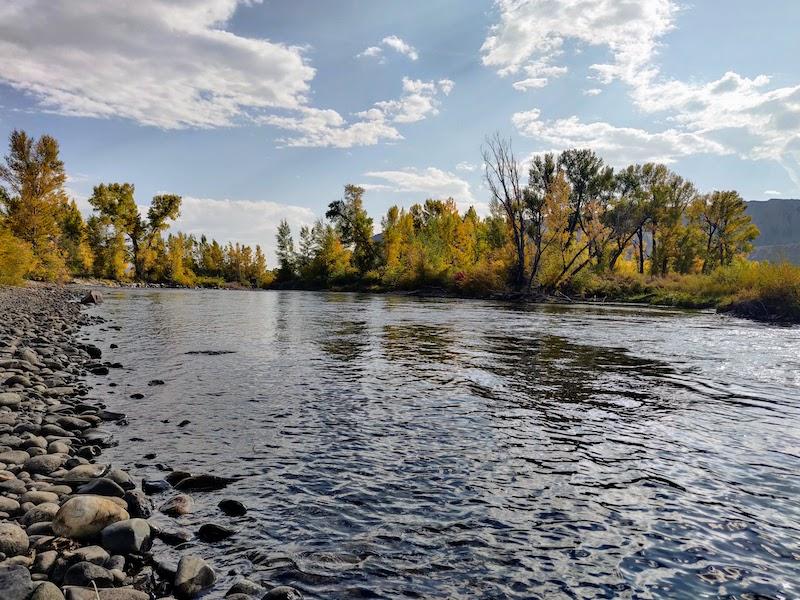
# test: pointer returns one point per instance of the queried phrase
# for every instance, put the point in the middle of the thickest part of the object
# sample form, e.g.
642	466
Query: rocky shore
71	526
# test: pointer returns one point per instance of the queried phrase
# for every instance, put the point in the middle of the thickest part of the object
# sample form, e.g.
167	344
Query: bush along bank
71	526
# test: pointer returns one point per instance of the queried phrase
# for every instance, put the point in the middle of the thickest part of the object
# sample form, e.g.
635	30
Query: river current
394	447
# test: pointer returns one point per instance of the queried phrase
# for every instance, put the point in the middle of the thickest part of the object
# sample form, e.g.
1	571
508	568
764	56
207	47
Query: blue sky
256	111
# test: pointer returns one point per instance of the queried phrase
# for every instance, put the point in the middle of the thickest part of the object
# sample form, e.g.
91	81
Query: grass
757	290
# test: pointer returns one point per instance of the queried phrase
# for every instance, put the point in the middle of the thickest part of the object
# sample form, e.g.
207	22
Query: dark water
391	447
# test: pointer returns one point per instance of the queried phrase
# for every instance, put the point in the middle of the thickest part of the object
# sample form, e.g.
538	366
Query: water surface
394	447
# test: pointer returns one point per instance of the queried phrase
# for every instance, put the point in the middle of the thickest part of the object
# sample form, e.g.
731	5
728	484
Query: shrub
16	259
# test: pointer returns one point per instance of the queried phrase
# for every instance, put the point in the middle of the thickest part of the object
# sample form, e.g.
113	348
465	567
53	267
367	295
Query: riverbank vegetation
563	225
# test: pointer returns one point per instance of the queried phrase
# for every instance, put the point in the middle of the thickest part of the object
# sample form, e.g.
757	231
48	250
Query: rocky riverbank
72	526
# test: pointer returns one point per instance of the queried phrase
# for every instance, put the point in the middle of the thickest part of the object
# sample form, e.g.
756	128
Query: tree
354	227
501	171
285	251
74	240
117	207
35	176
728	230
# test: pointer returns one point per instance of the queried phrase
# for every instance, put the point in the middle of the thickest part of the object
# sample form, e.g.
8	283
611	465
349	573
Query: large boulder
92	297
126	537
192	577
13	539
83	517
15	583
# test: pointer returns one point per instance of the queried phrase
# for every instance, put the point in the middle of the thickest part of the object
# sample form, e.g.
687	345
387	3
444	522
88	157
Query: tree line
557	219
571	215
43	234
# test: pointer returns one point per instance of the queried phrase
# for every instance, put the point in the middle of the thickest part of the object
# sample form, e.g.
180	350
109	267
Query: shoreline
72	526
748	310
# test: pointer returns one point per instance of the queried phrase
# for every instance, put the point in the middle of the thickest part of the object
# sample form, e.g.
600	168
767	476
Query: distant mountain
778	219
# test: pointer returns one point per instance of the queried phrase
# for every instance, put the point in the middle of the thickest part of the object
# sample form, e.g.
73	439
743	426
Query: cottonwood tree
117	209
727	229
354	227
35	176
502	175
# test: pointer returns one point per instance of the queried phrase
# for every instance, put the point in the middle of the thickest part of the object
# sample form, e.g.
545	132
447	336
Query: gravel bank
72	526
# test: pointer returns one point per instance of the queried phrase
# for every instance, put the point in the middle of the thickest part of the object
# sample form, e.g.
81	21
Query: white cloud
156	62
399	45
532	32
419	100
244	221
466	166
733	114
618	145
392	42
432	182
592	92
327	128
371	52
772	193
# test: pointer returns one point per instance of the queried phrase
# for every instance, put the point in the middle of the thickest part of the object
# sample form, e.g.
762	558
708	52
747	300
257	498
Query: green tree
354	226
728	230
285	251
117	208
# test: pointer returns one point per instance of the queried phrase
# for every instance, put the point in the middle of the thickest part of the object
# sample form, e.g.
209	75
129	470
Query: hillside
778	219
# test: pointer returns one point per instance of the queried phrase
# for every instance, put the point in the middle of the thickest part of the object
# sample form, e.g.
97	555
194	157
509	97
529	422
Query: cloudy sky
257	111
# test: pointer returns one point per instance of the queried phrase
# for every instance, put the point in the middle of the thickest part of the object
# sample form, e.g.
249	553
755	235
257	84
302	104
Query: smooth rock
40	513
77	593
92	297
82	517
232	508
283	592
155	486
211	532
139	505
101	486
192	577
10	399
47	591
126	537
13	539
177	505
86	573
15	582
202	483
45	464
247	587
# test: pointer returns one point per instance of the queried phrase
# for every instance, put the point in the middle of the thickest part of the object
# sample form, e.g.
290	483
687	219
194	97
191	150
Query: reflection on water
394	447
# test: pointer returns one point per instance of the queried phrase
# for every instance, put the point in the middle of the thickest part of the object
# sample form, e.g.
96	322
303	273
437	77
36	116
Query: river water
394	447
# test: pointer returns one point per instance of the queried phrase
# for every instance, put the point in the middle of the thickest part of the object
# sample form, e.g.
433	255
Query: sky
256	111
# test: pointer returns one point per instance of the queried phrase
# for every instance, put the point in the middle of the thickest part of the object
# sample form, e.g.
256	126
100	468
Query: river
396	447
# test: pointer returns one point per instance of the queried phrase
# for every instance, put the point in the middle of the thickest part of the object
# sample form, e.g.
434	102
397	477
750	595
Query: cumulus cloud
432	182
732	114
157	62
466	166
392	42
327	128
619	145
592	92
531	33
243	221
